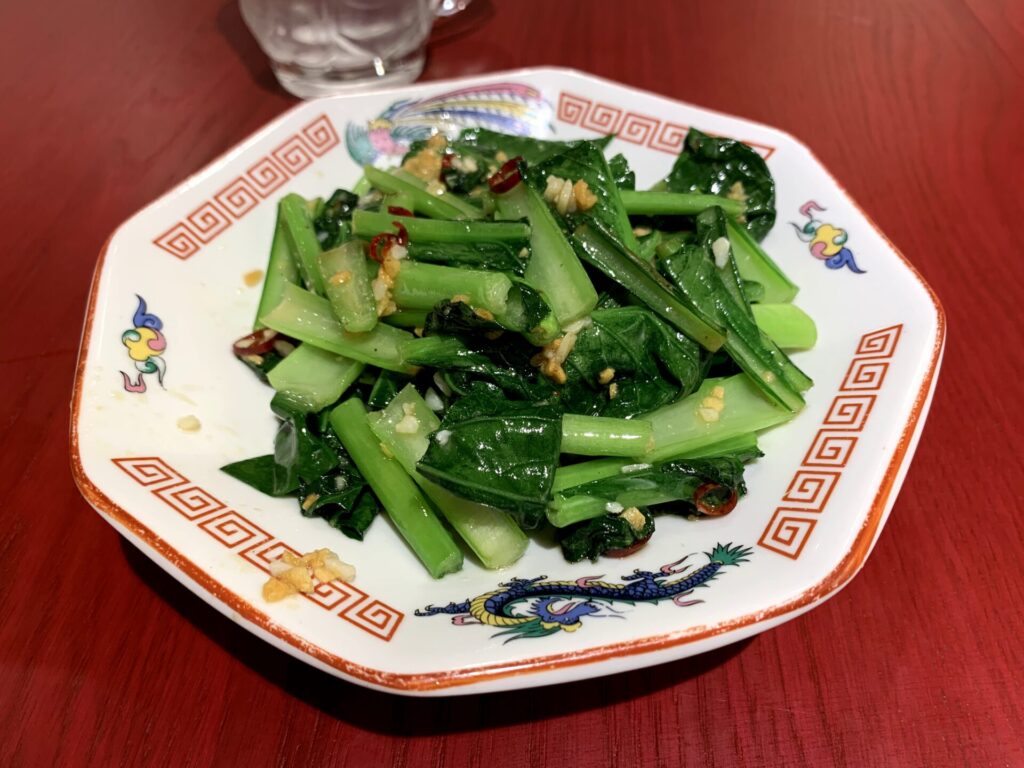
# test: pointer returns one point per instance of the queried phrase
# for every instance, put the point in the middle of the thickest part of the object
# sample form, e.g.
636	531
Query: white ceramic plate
817	501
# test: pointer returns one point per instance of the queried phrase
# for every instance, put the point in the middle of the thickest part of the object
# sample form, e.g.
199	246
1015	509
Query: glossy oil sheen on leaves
497	452
713	165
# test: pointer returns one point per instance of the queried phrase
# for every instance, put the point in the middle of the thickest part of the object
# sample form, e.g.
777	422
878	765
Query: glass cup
325	47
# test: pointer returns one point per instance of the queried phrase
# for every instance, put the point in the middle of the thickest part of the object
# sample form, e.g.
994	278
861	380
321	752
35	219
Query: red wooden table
917	106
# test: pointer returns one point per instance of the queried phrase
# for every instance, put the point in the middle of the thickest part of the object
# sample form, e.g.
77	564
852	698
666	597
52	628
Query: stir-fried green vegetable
504	334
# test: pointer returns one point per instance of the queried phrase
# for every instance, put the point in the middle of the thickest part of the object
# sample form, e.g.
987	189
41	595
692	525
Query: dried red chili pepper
714	510
403	234
397	210
256	343
506	177
379	246
627	551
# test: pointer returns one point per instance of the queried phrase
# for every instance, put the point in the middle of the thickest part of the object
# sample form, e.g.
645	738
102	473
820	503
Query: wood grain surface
916	105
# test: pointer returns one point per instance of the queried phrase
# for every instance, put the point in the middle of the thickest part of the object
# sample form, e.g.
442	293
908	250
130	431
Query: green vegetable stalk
405	505
311	378
309	318
366	224
302	239
347	281
422	286
404	427
676	203
281	271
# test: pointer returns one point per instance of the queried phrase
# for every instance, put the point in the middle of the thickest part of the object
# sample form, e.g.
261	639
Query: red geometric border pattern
830	449
811	488
849	412
258	547
788	531
189	500
645	130
793	522
865	375
244	193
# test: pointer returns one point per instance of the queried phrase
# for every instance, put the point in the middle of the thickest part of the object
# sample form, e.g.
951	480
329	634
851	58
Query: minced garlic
553	355
711	407
426	164
340	278
569	197
634	517
290	573
720	250
708	414
384	283
189	424
408	424
737	192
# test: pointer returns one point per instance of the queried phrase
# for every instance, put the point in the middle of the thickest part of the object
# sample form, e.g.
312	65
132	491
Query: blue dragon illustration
525	608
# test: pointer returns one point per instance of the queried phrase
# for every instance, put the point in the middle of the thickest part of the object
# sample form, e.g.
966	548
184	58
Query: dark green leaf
489	143
668	484
703	285
303	455
456	319
310	459
497	257
622	174
330	223
342	498
593	538
261	473
714	165
385	388
466	348
527	309
499	452
585	161
653	364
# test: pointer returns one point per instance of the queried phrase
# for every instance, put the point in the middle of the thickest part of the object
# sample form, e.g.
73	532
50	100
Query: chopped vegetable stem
366	224
309	318
683	426
422	286
786	324
676	203
756	265
312	378
347	281
553	267
640	279
404	502
302	238
442	206
490	533
604	436
281	270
